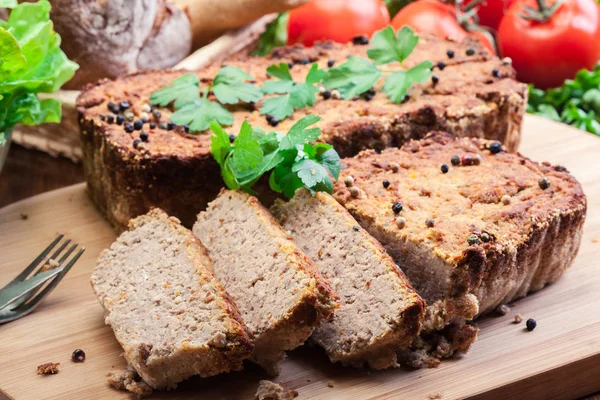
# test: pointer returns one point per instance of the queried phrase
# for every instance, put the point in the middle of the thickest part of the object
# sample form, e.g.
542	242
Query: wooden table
559	360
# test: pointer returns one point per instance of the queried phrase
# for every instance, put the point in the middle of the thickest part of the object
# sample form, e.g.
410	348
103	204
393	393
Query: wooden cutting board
560	359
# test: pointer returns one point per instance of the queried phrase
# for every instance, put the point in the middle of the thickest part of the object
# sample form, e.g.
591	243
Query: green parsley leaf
275	35
229	86
183	91
390	48
8	3
352	78
199	114
220	146
295	95
397	84
310	172
248	153
300	133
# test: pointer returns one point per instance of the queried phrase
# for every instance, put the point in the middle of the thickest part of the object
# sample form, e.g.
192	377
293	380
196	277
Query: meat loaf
278	290
491	229
379	311
167	310
475	95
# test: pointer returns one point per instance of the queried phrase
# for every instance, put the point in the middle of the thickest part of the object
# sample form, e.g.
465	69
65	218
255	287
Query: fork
17	297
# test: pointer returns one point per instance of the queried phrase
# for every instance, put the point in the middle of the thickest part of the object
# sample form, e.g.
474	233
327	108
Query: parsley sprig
358	75
294	95
292	160
230	86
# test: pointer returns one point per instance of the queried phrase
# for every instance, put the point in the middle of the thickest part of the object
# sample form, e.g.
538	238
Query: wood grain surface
560	359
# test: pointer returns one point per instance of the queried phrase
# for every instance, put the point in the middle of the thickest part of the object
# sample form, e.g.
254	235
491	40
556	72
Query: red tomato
433	16
337	20
490	12
547	53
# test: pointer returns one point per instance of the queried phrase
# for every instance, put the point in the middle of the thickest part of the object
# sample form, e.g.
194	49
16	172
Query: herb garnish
358	75
230	86
293	161
31	62
275	35
295	95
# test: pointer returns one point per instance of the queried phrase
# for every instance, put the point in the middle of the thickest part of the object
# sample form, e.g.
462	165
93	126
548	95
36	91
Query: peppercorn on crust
167	310
531	238
173	170
379	311
278	290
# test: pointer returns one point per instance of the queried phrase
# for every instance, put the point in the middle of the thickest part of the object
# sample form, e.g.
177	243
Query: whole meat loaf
472	225
280	293
167	310
475	94
379	311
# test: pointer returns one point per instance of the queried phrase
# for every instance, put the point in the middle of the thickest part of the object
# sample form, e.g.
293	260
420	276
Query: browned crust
176	172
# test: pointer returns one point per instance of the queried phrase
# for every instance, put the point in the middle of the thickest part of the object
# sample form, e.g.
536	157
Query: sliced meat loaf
379	311
475	95
493	228
167	310
278	290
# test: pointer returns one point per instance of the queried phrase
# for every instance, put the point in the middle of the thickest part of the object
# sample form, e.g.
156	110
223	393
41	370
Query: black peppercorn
445	168
231	137
136	143
386	184
435	79
356	228
450	53
269	117
156	114
544	183
470	51
124	105
171	126
78	356
326	94
368	96
495	73
330	63
110	118
120	119
455	160
495	147
152	125
144	136
274	122
531	324
186	128
304	61
473	239
441	65
163	125
430	222
290	65
397	207
113	107
485	237
361	40
138	124
128	127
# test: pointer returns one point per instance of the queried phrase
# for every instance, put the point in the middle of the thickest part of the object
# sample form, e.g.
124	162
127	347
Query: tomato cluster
546	47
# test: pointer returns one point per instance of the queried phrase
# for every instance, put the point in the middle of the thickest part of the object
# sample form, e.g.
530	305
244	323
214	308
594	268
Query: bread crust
175	171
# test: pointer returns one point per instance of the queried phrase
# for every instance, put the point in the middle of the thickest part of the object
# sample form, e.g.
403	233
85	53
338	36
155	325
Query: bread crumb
434	396
24	216
268	390
518	319
48	368
330	384
128	379
502	309
51	264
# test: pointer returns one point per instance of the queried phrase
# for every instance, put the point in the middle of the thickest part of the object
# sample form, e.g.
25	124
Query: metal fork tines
21	295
